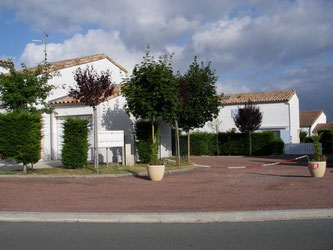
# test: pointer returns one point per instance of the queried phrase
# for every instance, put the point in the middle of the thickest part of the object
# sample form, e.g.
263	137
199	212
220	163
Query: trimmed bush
20	136
144	143
232	143
75	148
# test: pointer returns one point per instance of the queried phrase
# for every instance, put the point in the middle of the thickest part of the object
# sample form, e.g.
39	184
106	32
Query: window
234	113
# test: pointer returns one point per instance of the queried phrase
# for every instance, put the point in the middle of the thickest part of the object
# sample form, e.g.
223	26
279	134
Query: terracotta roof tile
308	118
78	61
68	99
259	97
323	126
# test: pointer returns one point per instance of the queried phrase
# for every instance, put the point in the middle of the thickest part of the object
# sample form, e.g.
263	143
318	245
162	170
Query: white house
310	119
111	114
280	110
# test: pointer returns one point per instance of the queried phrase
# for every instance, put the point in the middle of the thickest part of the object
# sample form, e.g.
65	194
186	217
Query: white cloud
231	87
93	42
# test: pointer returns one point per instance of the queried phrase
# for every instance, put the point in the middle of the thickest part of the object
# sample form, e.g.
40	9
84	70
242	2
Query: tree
20	135
26	89
23	95
92	89
248	120
199	101
151	92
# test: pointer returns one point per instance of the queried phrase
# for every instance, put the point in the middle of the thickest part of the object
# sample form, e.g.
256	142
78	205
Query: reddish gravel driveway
287	186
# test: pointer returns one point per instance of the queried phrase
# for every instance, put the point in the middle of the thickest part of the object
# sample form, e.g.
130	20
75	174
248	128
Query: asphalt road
297	234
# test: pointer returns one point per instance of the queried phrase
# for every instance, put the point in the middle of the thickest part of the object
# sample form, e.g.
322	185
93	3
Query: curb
191	217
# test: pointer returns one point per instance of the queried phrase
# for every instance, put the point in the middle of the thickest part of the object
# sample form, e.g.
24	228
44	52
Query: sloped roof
307	118
323	126
82	60
258	97
68	99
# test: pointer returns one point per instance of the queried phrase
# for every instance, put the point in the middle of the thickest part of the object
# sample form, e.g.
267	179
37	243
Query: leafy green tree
199	101
26	89
248	120
23	95
92	89
151	92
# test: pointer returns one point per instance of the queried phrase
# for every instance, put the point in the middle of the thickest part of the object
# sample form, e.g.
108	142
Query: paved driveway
287	186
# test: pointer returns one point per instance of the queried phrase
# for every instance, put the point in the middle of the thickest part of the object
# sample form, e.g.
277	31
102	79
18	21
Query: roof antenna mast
45	35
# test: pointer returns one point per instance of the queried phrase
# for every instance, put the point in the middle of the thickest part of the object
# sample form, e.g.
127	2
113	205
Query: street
296	234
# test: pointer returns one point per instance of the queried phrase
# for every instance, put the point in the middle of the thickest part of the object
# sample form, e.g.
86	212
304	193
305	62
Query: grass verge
89	170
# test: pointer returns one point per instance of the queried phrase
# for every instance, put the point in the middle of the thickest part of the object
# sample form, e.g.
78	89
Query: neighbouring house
322	126
310	119
111	113
280	111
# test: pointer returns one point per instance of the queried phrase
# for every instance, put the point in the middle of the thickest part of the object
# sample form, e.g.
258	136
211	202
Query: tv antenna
45	35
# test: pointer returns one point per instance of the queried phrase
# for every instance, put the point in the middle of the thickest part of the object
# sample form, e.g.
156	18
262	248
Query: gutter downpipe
288	103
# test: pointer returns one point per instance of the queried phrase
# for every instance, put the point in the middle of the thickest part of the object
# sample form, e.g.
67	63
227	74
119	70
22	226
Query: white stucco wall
308	129
63	82
283	117
321	119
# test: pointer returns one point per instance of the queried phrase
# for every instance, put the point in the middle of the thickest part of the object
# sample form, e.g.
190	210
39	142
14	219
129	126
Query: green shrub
302	136
75	148
326	140
231	143
144	143
20	136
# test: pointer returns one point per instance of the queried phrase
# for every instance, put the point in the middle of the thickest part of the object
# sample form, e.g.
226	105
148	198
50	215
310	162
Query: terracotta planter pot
317	168
156	172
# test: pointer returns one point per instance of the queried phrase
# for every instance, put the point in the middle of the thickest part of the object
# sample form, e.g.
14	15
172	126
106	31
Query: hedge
326	140
144	143
20	136
232	143
75	149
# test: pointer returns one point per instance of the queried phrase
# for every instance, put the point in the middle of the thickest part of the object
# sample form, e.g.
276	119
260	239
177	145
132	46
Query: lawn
89	170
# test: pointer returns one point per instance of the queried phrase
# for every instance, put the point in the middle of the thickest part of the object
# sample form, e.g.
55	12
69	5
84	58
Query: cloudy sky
254	45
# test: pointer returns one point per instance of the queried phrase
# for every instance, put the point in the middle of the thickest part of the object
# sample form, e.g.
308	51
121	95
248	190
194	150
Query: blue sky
254	45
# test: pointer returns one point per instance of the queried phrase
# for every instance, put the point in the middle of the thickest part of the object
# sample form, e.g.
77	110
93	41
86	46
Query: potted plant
156	166
151	94
317	166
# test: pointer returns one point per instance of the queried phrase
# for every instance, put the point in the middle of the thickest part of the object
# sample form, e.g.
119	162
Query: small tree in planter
248	120
317	166
151	93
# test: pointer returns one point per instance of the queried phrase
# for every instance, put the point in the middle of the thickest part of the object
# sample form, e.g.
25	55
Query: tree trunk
24	168
217	137
250	149
153	132
188	146
177	144
95	140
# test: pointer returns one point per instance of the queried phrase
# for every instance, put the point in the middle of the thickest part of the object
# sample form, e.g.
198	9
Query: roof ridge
58	65
258	97
260	92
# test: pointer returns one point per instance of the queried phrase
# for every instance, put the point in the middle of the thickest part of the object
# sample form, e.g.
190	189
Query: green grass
89	170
